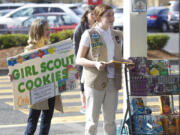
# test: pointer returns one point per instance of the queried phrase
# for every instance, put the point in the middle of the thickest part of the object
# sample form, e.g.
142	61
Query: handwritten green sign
47	70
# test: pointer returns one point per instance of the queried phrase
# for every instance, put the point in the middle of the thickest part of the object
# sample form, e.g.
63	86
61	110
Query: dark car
157	17
173	16
57	22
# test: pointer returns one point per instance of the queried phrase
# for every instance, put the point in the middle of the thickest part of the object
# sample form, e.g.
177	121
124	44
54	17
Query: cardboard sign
42	73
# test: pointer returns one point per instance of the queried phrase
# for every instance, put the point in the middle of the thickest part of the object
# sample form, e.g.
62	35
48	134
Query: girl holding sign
100	53
38	37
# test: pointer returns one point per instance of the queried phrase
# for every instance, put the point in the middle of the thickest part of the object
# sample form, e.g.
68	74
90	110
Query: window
14	7
176	6
23	13
29	11
53	20
152	11
56	10
77	10
3	7
40	10
74	20
69	20
165	12
28	22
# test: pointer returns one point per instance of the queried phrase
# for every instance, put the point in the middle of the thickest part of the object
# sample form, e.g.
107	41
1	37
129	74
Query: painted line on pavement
72	109
6	91
5	81
5	85
4	77
61	120
67	109
6	97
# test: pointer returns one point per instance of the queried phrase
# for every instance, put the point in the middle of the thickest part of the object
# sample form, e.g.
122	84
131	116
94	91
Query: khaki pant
106	100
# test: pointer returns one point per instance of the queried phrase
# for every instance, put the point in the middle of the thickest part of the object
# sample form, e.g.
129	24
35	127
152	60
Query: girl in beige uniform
102	79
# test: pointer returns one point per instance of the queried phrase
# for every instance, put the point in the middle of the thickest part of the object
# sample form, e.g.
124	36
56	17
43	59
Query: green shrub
157	41
11	40
55	37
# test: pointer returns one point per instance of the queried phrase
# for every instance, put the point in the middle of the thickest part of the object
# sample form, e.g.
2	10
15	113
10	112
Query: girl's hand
11	77
77	75
130	66
100	65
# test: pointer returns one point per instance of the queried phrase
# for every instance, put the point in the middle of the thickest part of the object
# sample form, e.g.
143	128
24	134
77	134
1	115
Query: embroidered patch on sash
96	44
117	39
95	36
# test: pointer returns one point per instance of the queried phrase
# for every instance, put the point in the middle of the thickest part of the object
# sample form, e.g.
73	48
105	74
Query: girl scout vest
98	52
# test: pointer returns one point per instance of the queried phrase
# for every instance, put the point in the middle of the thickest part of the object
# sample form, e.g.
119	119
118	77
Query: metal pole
128	102
179	71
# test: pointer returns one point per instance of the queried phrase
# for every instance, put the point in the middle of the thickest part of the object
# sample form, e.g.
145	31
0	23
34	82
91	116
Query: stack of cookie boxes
153	78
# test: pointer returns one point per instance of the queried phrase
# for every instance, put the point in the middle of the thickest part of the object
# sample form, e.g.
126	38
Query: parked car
4	6
118	18
5	11
173	16
18	15
157	17
76	8
57	22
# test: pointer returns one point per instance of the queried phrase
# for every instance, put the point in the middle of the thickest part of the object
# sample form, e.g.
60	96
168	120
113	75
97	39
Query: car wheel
164	27
175	29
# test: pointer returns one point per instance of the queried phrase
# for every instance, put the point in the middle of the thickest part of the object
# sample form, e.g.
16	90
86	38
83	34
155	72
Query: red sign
95	2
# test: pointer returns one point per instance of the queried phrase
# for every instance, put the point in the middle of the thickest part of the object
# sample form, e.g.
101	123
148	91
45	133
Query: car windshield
69	20
152	11
29	11
77	10
28	22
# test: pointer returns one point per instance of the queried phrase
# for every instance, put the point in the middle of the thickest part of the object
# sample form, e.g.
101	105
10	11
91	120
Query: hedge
156	41
12	40
55	37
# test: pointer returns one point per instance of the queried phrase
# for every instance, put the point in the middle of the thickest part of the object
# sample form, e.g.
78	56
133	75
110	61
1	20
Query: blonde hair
37	31
100	10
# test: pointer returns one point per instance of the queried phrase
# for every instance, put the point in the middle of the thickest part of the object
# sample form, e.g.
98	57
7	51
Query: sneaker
83	110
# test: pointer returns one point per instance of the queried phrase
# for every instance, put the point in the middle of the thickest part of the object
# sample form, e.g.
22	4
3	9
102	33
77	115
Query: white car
16	16
5	11
5	6
118	18
57	22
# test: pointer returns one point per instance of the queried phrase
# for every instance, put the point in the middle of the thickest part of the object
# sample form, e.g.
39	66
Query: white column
135	37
